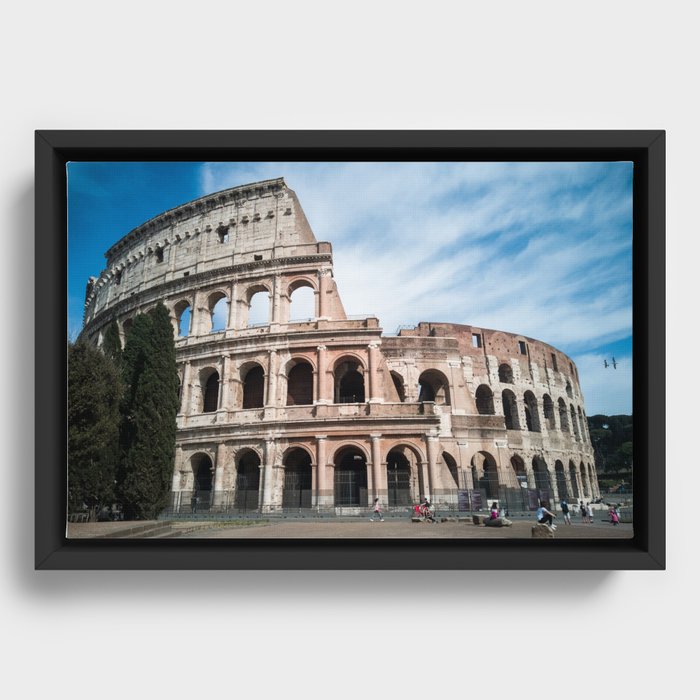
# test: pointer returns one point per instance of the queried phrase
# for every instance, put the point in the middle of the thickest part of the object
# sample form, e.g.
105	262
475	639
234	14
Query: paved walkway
392	528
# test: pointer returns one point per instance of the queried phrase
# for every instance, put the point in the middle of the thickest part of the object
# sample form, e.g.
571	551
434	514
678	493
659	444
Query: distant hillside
612	441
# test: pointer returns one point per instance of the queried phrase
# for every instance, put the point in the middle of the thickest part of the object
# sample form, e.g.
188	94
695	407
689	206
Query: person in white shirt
546	517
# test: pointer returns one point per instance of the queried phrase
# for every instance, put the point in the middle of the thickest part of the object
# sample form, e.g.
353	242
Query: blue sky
541	249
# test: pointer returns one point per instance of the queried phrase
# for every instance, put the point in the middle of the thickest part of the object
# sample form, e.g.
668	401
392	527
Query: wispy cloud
542	249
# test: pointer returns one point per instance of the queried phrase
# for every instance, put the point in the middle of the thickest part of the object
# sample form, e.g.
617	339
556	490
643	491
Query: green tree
93	428
149	412
112	344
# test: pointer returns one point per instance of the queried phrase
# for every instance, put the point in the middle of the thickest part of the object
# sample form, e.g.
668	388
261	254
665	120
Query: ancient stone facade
328	412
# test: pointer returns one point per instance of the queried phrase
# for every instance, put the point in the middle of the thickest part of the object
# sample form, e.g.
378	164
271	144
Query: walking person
377	512
565	510
584	512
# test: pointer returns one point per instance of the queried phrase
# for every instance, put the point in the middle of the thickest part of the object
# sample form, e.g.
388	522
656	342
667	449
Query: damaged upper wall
253	223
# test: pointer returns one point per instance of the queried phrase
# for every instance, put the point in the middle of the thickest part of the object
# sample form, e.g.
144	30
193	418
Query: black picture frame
646	149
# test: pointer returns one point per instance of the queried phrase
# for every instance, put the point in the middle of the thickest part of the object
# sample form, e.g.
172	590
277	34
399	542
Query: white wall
524	65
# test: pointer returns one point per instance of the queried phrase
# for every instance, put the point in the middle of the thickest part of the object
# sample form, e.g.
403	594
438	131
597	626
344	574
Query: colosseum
324	413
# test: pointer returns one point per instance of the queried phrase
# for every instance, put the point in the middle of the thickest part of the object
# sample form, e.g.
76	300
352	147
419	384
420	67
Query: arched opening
574	423
159	254
548	408
563	419
247	481
398	479
183	316
510	410
434	387
349	382
210	391
451	465
397	379
202	471
126	328
584	478
505	373
573	479
259	308
254	387
300	385
518	465
561	480
582	424
542	481
302	304
532	416
297	480
569	392
487	473
350	478
484	401
218	311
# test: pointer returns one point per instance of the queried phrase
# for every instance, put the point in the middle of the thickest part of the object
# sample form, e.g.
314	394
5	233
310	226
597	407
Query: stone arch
574	422
548	410
434	387
532	414
520	473
587	490
182	312
209	390
486	470
560	476
349	380
202	481
297	492
582	424
350	476
543	483
218	306
399	385
258	298
300	383
301	295
563	417
574	480
510	410
247	479
569	391
404	474
451	464
484	401
127	324
253	381
505	373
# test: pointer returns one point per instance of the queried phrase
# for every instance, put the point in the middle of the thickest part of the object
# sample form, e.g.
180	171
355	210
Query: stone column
272	379
322	495
231	320
186	389
267	475
199	314
276	293
432	448
225	394
323	280
322	382
217	496
175	491
373	354
379	484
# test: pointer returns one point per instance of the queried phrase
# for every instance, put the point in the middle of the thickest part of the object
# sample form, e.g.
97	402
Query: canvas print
350	350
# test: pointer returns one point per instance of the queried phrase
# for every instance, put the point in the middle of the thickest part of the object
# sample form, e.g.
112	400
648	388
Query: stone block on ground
542	531
497	522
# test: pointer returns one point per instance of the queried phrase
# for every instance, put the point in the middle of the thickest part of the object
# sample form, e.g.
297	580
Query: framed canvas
335	413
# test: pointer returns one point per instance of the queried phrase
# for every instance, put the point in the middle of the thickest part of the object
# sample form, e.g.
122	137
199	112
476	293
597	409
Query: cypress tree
112	345
93	428
149	414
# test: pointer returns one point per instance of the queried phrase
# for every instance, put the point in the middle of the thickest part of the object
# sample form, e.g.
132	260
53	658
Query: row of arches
571	419
403	477
256	303
505	376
